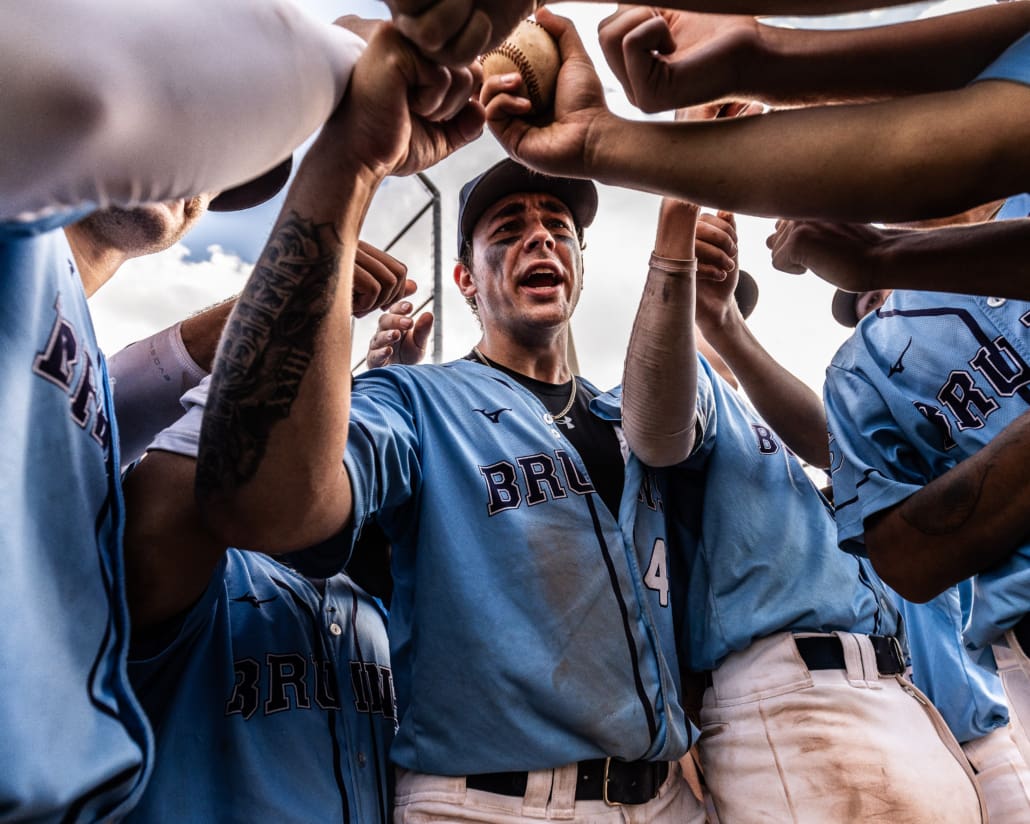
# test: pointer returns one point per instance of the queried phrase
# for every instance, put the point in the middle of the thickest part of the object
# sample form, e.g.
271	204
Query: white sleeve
148	378
127	101
183	436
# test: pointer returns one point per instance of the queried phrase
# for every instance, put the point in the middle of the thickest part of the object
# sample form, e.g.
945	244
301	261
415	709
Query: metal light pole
437	267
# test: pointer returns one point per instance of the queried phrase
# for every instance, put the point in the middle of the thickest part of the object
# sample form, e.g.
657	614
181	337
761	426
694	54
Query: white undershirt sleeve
149	377
125	101
183	436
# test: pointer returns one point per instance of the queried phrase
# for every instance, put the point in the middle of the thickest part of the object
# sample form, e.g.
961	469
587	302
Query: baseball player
242	665
970	696
266	667
312	693
972	411
91	121
68	697
534	670
926	387
859	162
795	642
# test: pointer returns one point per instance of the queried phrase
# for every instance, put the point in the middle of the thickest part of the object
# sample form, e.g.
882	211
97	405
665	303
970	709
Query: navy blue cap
746	293
507	178
844	308
253	192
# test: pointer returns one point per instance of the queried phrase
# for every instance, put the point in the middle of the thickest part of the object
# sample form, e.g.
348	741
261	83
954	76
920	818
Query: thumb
421	330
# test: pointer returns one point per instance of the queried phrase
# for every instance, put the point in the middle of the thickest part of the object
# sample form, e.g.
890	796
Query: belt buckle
604	786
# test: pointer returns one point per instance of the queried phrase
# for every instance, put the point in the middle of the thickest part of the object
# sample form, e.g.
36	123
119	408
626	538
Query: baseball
532	52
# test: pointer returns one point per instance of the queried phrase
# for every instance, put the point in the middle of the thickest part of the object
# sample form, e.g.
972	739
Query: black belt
824	652
1022	633
599	779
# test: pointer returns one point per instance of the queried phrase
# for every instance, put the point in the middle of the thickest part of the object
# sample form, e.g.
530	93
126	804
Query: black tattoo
266	349
949	509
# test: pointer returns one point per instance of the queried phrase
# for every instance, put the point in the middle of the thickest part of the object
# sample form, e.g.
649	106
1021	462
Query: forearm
966	521
659	387
202	331
789	406
803	66
799	7
159	101
819	163
270	472
982	259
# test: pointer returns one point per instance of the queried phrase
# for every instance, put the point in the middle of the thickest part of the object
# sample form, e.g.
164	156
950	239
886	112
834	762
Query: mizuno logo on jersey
253	600
493	417
58	362
897	367
532	479
648	493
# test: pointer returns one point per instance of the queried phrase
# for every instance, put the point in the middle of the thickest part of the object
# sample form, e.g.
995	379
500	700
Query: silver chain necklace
572	396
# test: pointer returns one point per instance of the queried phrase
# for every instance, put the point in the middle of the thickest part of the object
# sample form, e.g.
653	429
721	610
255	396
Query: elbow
271	521
658	457
275	531
659	450
897	570
816	455
910	588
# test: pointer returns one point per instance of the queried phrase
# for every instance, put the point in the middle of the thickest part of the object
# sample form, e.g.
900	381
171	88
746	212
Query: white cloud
152	292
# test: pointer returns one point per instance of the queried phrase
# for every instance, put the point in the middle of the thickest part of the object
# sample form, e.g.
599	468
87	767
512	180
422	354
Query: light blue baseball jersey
522	634
754	540
74	743
970	697
273	702
925	382
1013	64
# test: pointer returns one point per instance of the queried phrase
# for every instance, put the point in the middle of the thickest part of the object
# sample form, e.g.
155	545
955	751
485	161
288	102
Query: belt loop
563	792
1005	655
859	660
538	791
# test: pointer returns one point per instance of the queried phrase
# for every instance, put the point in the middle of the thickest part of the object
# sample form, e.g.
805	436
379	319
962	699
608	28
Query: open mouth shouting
543	279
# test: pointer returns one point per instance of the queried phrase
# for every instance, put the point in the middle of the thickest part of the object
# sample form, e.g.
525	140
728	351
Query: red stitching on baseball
518	57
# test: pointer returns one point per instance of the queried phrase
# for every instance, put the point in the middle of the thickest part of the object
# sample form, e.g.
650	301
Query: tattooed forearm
963	522
267	347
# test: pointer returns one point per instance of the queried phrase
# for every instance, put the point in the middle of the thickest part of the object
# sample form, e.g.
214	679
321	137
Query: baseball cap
507	178
253	192
746	293
843	308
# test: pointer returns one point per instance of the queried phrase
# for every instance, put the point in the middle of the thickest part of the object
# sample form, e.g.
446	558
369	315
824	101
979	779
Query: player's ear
463	277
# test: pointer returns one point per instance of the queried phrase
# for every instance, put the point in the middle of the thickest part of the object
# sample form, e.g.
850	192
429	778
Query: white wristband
148	378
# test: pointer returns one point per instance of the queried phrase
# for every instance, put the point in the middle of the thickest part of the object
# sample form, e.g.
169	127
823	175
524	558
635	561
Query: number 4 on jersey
657	575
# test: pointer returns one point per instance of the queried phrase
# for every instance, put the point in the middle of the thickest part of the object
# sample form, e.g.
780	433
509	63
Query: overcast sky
792	318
